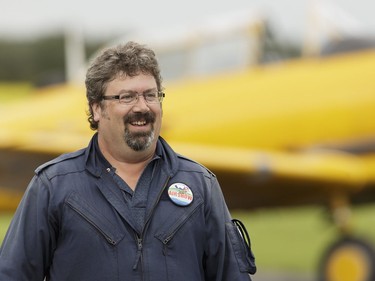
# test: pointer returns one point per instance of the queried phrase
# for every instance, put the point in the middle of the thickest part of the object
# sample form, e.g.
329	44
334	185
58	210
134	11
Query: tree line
42	61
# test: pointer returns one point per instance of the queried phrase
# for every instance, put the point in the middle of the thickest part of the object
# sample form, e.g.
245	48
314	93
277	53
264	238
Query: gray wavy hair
128	59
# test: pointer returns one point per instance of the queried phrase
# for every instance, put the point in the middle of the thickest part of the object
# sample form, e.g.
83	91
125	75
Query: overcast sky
287	17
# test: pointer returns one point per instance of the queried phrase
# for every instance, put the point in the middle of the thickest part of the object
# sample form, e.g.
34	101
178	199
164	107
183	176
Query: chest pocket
95	218
178	217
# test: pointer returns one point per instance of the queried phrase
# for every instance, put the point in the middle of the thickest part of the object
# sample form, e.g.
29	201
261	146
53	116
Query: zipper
156	203
109	239
139	251
139	239
170	236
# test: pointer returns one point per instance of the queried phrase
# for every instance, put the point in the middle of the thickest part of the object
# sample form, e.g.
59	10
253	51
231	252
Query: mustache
149	117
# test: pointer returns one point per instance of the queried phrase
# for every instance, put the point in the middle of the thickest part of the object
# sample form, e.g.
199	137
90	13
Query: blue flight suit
73	225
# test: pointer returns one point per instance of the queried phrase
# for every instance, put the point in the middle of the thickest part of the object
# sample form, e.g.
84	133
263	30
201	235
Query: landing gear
349	259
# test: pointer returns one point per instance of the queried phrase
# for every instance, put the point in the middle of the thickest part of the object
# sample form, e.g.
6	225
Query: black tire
348	259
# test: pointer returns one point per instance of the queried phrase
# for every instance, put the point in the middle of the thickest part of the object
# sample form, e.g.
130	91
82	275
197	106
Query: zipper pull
165	246
139	253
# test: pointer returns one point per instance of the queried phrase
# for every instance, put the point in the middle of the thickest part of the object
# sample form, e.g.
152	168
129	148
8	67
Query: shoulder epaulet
59	159
197	163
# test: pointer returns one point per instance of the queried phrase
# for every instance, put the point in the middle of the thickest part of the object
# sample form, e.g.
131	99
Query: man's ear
96	109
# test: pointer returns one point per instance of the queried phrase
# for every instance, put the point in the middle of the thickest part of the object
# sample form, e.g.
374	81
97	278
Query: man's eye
150	96
127	97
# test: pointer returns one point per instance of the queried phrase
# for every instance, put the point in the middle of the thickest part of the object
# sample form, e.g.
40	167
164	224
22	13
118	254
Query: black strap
246	238
242	229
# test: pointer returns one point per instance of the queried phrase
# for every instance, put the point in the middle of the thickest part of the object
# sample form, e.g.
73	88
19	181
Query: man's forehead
133	83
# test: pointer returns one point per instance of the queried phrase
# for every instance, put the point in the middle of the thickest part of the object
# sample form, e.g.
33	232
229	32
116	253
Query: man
127	207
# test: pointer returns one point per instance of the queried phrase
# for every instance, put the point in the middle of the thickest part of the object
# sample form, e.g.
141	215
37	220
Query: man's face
138	125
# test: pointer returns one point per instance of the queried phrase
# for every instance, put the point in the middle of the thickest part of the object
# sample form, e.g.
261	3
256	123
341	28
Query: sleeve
228	256
26	251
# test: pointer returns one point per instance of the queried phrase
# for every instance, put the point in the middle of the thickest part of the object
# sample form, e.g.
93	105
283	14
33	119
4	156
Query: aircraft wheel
349	259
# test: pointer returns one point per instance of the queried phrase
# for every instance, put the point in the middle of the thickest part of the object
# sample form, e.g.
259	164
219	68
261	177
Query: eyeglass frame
160	97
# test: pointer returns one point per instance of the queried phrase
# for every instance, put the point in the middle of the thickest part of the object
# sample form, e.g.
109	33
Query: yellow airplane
279	135
286	134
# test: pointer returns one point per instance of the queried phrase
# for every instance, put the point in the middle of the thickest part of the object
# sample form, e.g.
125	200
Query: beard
139	141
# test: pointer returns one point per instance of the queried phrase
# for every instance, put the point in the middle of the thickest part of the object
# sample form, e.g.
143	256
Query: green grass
287	240
295	239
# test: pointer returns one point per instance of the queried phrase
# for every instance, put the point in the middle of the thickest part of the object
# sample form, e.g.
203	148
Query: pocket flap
177	218
95	218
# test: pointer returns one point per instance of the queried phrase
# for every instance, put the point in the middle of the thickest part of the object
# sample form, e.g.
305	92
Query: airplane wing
321	167
256	179
280	134
51	120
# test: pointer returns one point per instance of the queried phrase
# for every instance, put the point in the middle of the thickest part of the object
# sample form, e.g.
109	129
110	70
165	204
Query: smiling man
129	122
127	207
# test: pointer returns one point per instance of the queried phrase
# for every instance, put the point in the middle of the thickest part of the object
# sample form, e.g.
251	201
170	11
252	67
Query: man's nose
140	104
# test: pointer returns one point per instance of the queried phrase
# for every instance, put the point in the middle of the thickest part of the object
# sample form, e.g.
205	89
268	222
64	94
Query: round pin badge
180	194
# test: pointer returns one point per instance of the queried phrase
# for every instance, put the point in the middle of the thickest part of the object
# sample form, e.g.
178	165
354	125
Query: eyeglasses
131	98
